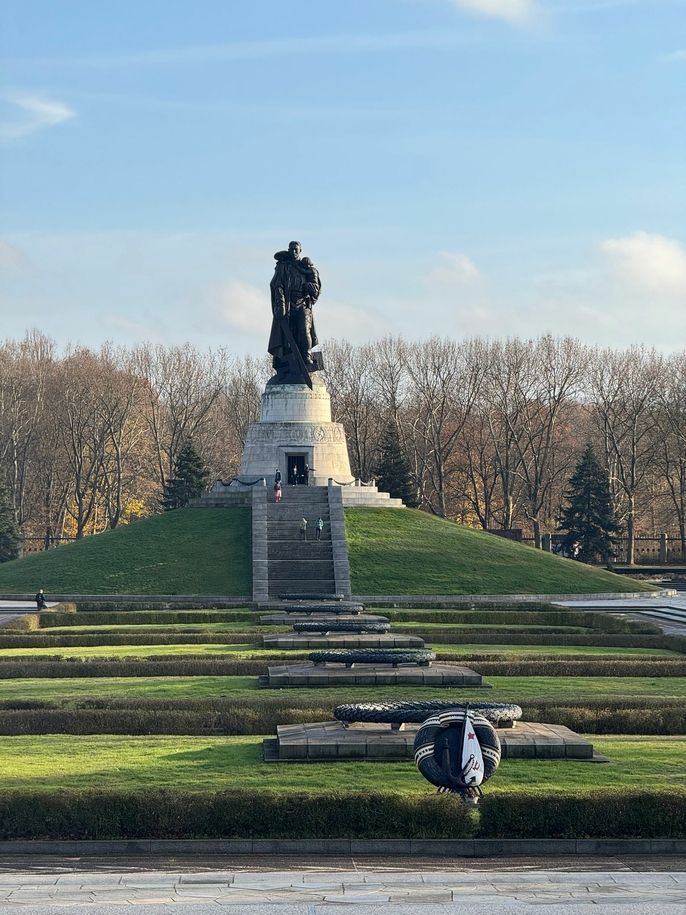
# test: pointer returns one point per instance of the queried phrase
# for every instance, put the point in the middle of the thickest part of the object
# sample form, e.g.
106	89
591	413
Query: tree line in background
485	432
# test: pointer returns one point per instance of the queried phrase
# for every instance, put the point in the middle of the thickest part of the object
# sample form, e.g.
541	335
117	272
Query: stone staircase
294	565
368	497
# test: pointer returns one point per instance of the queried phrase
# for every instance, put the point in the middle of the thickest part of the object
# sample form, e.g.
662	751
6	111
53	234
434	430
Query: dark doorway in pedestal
296	469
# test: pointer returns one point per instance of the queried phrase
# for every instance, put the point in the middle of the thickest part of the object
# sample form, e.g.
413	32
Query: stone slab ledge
452	848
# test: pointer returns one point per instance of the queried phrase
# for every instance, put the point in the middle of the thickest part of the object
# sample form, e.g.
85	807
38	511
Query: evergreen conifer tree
392	469
588	518
9	531
188	481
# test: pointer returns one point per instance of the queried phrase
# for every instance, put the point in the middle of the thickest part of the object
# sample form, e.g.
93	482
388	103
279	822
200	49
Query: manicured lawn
567	690
53	762
404	551
189	551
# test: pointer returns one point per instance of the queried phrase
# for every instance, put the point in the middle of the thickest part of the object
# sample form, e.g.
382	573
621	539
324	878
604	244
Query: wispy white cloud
241	307
11	257
455	268
652	262
676	56
23	114
272	47
515	11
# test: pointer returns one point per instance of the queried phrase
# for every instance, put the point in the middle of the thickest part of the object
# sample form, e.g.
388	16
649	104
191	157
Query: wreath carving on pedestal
341	626
419	657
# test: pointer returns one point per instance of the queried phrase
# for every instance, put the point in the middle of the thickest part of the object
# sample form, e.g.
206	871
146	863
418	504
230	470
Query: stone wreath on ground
499	714
394	656
341	626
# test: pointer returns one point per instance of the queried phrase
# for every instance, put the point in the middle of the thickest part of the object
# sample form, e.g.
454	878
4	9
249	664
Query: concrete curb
459	848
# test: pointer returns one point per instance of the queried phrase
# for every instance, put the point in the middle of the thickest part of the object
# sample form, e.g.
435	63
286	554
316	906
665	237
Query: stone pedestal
332	740
327	675
295	422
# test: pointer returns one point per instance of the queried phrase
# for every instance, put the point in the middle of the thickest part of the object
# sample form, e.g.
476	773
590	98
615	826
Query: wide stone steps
296	512
298	549
312	569
285	586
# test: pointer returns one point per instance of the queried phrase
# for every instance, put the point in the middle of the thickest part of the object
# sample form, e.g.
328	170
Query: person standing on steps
303	529
277	491
318	527
277	476
306	475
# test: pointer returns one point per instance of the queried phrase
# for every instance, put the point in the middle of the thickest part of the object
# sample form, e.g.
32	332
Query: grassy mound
189	551
402	551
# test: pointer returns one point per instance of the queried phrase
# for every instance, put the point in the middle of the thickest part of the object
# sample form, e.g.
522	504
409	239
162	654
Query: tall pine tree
392	469
588	518
9	530
188	481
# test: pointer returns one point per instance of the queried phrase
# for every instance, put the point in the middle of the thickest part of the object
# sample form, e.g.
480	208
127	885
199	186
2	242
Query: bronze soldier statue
295	287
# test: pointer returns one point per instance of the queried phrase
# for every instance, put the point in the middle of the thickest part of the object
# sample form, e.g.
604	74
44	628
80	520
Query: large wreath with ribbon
457	750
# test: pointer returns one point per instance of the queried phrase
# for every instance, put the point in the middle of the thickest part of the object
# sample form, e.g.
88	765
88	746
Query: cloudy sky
495	167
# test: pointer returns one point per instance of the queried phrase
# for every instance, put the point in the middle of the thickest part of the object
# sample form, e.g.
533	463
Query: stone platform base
309	674
303	640
284	619
330	740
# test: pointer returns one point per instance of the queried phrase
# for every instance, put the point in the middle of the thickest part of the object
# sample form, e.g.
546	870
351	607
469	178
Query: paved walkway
9	609
587	885
669	613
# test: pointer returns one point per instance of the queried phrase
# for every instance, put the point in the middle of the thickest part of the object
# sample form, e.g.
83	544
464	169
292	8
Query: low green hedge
88	639
561	666
132	606
241	814
144	617
230	814
188	665
601	622
162	666
261	715
602	814
495	637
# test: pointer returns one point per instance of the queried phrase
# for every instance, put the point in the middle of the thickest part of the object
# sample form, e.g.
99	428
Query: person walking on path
303	529
277	491
40	601
318	527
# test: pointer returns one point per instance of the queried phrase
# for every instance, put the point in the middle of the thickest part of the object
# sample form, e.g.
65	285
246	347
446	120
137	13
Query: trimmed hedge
602	814
188	665
560	666
602	622
162	666
246	814
230	814
145	617
495	637
104	606
262	714
87	639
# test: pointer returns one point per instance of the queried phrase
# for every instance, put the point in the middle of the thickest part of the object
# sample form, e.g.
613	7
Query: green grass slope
404	551
188	551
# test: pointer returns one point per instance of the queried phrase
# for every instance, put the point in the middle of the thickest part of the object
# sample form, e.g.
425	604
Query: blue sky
453	166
